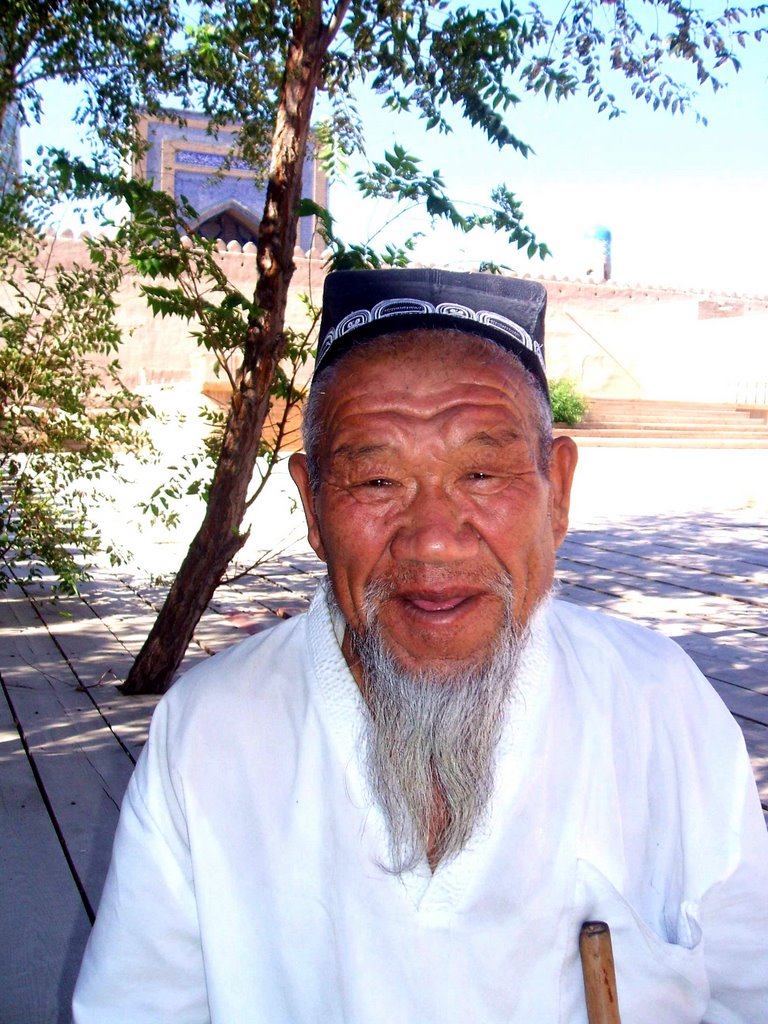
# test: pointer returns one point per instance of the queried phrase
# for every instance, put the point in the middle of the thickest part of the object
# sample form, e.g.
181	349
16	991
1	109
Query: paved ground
68	739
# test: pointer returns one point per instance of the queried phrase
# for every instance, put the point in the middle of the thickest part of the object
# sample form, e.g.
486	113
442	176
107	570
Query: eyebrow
359	451
497	439
482	439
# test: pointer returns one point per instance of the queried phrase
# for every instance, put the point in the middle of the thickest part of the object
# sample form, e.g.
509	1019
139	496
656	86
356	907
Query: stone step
681	426
617	409
650	423
630	416
585	438
675	403
618	430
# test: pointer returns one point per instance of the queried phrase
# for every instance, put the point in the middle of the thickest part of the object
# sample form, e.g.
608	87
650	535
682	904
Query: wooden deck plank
103	665
103	646
124	613
127	718
717	561
44	923
82	766
668	611
672	614
702	534
214	633
743	704
129	610
752	678
757	744
740	650
83	637
667	578
274	593
748	606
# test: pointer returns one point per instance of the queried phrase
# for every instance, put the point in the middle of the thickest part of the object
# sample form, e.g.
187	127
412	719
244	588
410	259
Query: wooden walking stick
599	974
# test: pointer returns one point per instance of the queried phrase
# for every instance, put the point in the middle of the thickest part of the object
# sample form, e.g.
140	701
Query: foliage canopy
120	52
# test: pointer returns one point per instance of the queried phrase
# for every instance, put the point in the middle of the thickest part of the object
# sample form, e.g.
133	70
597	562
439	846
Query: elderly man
402	805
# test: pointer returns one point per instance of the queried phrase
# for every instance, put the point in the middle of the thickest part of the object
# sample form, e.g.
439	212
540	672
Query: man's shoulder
635	672
611	648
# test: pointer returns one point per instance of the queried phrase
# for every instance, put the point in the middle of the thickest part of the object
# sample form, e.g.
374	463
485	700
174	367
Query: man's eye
482	481
377	481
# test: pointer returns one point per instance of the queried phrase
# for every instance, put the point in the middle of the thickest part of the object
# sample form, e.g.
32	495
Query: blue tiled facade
184	161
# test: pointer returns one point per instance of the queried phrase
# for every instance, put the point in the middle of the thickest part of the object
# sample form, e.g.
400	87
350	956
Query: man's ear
297	466
562	465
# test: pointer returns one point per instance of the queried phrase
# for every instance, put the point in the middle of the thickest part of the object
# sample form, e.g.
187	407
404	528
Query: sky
686	203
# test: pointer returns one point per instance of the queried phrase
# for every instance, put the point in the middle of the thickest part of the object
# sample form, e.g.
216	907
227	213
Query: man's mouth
443	605
437	601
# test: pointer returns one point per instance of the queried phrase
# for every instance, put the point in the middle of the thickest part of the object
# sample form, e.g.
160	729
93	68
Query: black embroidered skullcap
359	305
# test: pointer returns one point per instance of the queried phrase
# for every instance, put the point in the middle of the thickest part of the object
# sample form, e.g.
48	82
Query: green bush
568	406
65	415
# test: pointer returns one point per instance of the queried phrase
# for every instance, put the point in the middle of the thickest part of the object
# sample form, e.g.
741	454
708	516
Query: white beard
433	732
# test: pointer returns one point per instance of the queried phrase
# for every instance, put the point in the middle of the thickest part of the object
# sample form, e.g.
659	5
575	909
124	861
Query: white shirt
247	886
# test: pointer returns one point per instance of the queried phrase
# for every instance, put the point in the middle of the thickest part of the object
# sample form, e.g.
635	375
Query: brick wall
612	340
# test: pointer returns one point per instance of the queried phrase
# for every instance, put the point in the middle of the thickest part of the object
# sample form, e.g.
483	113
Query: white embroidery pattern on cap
404	306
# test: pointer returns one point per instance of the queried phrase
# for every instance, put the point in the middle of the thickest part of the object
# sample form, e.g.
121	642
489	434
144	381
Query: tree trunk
219	537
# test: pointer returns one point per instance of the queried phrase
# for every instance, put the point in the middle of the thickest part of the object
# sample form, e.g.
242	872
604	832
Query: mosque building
183	158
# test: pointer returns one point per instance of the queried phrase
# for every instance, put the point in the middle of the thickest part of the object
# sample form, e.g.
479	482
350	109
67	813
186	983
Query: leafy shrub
64	413
568	406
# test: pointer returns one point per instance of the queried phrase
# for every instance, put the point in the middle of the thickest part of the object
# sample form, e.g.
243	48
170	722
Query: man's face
432	491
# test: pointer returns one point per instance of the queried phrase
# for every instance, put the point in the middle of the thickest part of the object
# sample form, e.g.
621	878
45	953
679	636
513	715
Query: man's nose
434	528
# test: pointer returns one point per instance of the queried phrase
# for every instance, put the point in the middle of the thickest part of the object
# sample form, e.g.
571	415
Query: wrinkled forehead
423	374
421	359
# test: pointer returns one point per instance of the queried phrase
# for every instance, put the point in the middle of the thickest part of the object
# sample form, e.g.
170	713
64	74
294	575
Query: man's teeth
436	605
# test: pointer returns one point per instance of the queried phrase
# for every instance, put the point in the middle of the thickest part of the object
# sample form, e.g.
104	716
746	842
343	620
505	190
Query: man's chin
438	661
